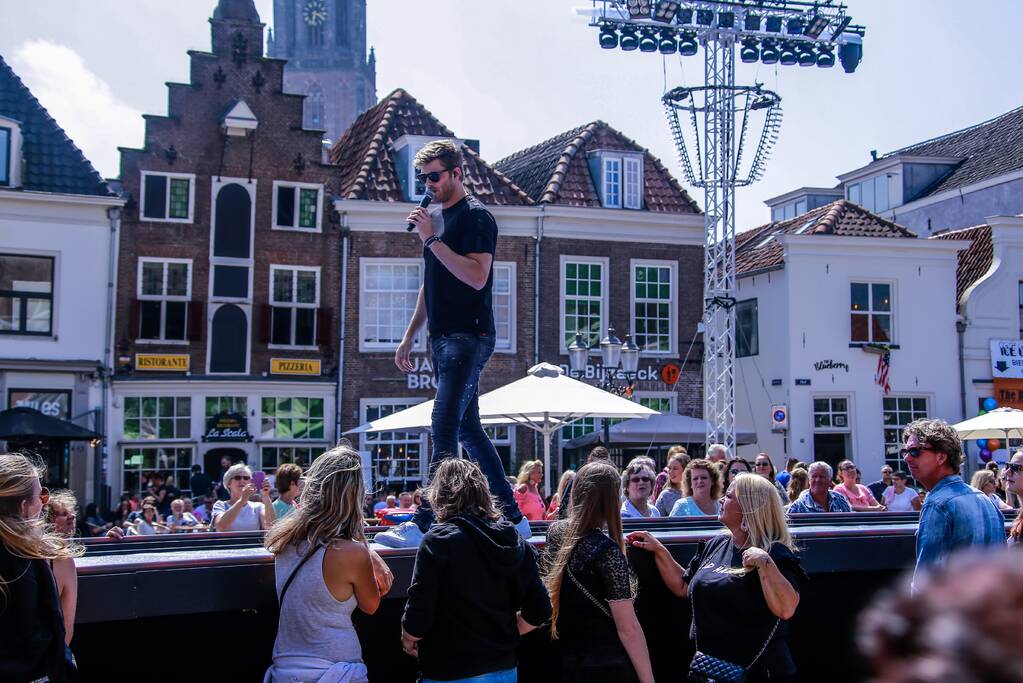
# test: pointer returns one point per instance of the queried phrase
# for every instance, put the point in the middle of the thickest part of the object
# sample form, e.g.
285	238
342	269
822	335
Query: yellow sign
294	366
176	362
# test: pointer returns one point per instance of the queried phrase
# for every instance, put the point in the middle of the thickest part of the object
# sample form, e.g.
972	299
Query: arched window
314	108
229	342
233	235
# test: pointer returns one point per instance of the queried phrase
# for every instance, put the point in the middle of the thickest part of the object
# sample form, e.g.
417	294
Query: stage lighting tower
713	121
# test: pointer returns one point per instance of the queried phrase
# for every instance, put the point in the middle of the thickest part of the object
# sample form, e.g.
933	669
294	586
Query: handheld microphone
423	203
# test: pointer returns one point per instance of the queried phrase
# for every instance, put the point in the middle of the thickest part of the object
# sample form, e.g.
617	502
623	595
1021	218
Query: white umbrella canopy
1000	423
660	429
545	400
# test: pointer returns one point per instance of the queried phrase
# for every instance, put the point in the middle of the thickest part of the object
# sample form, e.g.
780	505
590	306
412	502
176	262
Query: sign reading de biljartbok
1007	358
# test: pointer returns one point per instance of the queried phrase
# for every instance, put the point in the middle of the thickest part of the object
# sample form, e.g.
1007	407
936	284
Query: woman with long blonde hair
559	498
736	618
31	621
324	571
527	490
588	580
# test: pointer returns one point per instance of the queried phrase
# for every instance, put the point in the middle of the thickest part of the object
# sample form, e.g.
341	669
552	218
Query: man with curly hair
954	515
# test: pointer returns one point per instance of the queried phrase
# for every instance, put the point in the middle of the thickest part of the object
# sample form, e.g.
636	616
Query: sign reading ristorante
294	366
167	362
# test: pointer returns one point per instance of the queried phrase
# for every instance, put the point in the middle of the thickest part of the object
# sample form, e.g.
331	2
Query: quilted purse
707	668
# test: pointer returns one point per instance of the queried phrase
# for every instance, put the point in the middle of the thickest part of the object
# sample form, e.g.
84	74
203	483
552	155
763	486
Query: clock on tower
314	12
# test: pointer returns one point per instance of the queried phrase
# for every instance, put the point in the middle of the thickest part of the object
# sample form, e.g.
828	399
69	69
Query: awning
29	423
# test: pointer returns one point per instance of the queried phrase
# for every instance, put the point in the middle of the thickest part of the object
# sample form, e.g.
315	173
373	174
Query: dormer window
10	153
872	194
619	178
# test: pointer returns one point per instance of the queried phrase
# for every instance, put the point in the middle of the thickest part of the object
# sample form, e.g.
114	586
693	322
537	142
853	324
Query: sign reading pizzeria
169	362
294	366
225	426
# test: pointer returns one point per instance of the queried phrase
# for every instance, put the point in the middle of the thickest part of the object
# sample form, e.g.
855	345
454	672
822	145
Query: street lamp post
613	354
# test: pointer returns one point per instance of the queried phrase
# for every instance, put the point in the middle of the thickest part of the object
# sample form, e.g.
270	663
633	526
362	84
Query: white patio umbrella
665	428
545	400
1000	423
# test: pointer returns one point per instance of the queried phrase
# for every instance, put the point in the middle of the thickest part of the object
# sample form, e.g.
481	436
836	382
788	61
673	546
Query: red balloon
993	444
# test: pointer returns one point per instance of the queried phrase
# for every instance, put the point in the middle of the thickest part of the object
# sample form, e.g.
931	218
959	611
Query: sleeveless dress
316	641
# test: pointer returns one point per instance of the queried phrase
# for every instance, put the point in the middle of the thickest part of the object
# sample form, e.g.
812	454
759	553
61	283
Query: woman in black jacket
475	587
31	622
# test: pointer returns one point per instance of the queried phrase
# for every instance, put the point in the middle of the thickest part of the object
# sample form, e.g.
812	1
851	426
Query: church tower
324	42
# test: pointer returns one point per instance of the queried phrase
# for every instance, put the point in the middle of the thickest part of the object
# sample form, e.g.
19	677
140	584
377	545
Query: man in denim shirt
955	515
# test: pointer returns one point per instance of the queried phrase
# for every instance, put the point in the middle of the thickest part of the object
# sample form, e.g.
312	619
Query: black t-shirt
732	619
201	484
452	305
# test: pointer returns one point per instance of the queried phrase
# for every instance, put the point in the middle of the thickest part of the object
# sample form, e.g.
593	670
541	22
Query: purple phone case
258	478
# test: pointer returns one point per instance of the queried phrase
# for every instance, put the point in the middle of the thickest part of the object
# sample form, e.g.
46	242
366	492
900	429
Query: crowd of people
493	586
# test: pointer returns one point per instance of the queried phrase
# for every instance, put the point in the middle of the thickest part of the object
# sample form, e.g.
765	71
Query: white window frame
277	184
832	429
180	474
899	426
671	395
250	186
55	287
294	304
512	306
632	196
612	188
870	312
419	343
672	303
859	187
366	446
190	177
164	298
605	263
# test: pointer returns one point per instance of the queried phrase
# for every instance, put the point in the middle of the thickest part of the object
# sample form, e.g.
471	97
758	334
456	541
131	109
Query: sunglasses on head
1014	467
432	176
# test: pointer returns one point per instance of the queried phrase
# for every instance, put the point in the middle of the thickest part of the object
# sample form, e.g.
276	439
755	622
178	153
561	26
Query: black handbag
707	668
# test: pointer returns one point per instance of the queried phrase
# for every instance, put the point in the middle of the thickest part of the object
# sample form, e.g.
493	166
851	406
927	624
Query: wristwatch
430	240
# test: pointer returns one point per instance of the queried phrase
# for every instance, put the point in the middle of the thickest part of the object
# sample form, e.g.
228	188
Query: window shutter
134	319
195	311
324	327
265	319
156	196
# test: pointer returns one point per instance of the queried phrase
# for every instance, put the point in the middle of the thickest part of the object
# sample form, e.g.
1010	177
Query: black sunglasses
433	176
1014	467
914	452
638	480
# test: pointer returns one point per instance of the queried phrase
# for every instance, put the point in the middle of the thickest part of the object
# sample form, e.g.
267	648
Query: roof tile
973	261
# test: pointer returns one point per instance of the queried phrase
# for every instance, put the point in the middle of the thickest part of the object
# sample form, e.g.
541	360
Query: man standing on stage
455	302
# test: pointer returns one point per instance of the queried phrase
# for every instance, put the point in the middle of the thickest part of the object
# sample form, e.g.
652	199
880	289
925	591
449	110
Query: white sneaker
523	528
405	535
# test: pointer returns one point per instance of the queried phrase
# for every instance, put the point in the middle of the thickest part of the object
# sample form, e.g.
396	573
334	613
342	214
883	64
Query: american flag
884	362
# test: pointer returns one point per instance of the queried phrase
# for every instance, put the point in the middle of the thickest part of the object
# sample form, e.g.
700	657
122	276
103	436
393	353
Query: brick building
590	206
227	278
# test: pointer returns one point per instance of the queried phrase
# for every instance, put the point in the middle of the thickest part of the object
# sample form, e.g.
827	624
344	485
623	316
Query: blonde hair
527	470
566	476
596	504
234	470
982	478
64	498
762	512
30	539
331	503
799	481
460	487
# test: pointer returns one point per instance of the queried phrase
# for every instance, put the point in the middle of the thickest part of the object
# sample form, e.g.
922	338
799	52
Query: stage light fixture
774	24
608	38
667	44
788	54
638	9
840	27
795	27
687	45
826	57
629	40
751	22
805	55
648	40
769	53
749	52
666	11
816	26
726	19
851	53
704	17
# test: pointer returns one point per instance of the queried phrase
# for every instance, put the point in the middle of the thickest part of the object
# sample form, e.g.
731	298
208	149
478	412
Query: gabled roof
756	250
52	161
556	171
988	149
366	164
973	261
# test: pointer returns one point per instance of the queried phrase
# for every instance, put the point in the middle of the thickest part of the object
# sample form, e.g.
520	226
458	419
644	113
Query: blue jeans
458	360
506	676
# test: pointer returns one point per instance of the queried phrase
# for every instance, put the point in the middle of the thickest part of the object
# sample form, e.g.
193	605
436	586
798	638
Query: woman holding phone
238	513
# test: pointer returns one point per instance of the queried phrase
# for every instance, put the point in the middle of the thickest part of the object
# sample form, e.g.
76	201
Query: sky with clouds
515	72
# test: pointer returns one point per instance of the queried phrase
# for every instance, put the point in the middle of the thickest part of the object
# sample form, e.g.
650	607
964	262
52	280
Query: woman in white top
985	482
321	549
702	486
899	498
638	483
149	524
238	513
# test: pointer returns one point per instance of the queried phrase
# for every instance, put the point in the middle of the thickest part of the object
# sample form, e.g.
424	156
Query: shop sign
670	374
596	372
168	362
421	376
1007	359
1009	393
822	365
294	366
227	426
50	403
